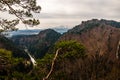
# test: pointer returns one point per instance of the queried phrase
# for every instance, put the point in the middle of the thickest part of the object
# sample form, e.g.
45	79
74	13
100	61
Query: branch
14	12
19	14
52	65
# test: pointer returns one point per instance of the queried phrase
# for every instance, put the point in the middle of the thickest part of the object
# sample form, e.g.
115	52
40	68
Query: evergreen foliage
69	65
71	49
23	12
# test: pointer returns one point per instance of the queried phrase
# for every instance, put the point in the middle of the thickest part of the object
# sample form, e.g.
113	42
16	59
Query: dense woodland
72	63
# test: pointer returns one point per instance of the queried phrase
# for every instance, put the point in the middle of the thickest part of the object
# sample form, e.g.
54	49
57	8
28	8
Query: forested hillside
89	51
38	44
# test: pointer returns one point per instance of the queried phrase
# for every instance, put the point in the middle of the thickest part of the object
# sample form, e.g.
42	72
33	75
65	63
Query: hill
38	44
98	36
7	44
89	51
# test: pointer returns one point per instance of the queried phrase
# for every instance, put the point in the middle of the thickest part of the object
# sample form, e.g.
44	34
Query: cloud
80	8
72	12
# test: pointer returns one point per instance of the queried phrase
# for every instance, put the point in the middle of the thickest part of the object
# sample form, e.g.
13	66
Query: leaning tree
23	11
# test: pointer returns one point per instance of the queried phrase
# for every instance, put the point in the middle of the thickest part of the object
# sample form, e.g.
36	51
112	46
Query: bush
5	53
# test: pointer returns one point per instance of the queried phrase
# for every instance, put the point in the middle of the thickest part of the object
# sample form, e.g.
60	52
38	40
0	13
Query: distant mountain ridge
98	36
38	44
33	31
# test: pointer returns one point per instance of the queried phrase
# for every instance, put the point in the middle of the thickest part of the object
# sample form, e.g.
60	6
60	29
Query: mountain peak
102	21
89	24
38	44
98	36
47	31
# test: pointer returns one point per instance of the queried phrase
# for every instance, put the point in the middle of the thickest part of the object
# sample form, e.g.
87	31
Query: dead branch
52	65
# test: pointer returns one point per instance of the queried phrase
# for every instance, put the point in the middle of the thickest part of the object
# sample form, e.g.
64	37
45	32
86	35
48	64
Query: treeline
72	63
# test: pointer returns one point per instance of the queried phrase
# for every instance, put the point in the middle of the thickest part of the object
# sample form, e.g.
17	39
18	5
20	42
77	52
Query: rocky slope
39	44
98	36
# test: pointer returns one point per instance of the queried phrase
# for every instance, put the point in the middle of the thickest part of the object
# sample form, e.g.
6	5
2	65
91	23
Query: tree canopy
22	9
71	49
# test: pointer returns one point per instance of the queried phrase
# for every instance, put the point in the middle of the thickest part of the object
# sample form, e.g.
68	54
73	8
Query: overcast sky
69	13
81	8
72	12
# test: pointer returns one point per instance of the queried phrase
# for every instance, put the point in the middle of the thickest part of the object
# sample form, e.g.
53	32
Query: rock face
98	36
39	44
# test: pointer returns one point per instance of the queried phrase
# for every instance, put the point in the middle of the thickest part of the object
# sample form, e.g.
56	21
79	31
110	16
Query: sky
68	13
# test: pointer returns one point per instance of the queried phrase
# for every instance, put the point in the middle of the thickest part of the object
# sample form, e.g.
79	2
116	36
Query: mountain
21	32
8	34
61	29
98	36
7	44
38	44
89	51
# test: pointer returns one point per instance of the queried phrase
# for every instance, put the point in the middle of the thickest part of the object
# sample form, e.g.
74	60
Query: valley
89	51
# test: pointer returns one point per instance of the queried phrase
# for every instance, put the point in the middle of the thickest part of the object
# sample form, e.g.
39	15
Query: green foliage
9	45
23	12
71	49
95	67
38	45
17	60
47	59
17	75
5	53
11	67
